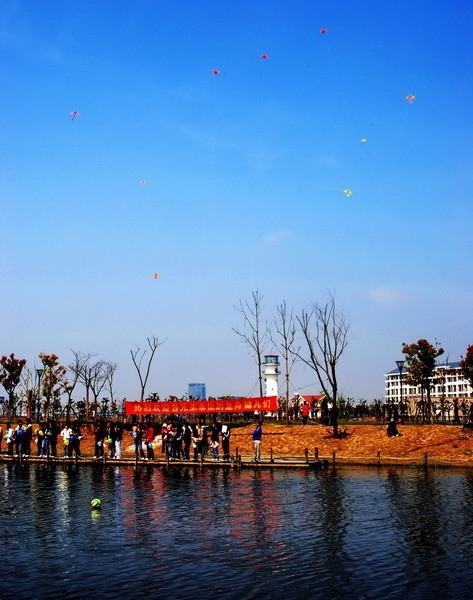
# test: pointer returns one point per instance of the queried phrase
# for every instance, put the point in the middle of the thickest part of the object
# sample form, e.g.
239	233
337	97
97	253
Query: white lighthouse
271	372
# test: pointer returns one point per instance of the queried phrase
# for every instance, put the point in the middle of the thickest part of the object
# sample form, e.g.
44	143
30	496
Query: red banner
192	407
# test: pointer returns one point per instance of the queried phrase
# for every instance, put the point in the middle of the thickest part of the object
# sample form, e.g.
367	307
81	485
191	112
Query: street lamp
400	365
39	374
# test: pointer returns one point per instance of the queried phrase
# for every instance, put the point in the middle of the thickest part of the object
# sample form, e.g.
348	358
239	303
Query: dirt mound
360	443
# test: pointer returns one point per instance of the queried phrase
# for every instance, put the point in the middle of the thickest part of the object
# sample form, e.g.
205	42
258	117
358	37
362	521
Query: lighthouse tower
271	372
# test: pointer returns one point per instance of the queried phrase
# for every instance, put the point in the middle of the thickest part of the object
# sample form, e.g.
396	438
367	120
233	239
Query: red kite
264	56
74	114
215	72
410	98
324	31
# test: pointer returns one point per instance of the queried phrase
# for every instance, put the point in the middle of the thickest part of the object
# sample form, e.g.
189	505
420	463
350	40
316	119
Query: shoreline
244	462
304	446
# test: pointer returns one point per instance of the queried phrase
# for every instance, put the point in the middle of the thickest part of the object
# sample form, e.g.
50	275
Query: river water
198	533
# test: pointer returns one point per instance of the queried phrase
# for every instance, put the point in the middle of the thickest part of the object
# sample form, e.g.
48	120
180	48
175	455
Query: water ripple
350	533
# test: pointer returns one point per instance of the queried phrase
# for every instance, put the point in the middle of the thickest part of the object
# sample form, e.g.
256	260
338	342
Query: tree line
317	337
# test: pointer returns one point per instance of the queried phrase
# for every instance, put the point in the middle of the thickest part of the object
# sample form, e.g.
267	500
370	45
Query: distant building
448	383
197	391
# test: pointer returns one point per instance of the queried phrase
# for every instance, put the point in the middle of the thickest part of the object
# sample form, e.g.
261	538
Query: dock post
334	456
306	452
379	459
426	460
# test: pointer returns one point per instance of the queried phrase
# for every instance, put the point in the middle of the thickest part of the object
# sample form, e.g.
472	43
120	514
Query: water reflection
330	559
424	509
346	533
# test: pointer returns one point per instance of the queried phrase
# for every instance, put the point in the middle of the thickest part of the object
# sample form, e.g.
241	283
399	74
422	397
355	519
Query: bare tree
69	385
29	391
285	327
325	333
109	375
97	374
137	357
52	383
254	335
80	367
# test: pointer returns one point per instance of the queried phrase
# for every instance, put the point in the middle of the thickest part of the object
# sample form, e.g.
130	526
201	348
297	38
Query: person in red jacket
305	408
149	441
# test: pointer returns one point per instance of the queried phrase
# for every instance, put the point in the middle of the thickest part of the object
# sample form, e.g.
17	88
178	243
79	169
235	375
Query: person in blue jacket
257	434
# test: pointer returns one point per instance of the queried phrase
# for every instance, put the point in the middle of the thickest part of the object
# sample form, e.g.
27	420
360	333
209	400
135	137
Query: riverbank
359	444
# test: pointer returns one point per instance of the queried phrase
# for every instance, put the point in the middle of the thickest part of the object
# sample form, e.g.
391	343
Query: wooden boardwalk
234	462
244	462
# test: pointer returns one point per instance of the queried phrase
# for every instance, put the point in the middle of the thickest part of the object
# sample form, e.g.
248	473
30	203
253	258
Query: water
187	533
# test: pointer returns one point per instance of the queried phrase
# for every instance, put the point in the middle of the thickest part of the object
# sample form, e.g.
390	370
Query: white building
449	384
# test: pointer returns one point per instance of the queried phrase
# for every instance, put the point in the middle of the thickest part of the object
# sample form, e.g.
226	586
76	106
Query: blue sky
246	172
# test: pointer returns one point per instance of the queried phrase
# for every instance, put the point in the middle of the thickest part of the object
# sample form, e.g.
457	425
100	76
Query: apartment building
449	384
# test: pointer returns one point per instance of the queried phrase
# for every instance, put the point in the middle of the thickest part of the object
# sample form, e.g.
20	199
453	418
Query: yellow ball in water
95	503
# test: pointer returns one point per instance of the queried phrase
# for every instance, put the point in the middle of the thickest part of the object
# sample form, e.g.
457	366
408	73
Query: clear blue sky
246	172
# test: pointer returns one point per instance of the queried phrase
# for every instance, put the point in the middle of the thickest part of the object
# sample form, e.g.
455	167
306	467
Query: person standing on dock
187	439
139	434
9	438
257	435
65	433
110	437
18	439
118	439
198	441
214	439
226	442
99	435
27	437
75	439
149	440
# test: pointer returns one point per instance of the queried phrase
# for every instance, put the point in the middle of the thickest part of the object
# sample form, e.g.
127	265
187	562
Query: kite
156	275
143	182
215	72
364	140
74	114
324	31
264	56
347	192
410	98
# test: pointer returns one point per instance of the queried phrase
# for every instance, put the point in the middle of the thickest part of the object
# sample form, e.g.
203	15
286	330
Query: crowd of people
177	440
182	440
20	439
